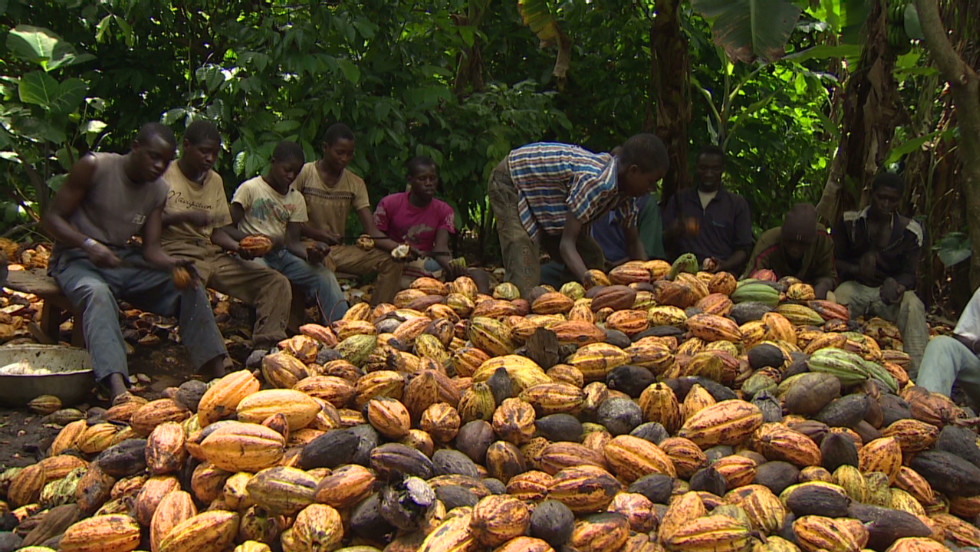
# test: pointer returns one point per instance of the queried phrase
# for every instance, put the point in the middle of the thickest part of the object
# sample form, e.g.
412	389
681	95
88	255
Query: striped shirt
554	179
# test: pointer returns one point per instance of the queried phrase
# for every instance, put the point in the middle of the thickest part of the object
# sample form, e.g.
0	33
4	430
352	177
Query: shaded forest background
810	98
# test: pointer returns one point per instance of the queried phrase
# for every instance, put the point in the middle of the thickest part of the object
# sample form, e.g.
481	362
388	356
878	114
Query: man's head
287	160
642	163
202	143
338	147
152	151
423	177
799	231
709	168
886	193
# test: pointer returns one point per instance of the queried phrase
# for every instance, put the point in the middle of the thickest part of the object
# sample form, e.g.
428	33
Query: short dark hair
156	130
417	162
889	180
646	151
288	151
337	131
711	150
200	131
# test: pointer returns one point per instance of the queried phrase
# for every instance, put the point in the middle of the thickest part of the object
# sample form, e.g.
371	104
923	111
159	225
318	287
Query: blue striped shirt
554	179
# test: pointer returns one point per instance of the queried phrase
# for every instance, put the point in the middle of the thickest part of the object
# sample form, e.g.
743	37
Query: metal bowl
71	381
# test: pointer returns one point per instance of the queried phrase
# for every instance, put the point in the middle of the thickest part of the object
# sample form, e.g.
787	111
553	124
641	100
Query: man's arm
569	253
152	251
824	270
381	240
909	274
846	269
223	239
733	263
293	243
742	238
323	235
634	244
676	226
758	258
66	202
444	255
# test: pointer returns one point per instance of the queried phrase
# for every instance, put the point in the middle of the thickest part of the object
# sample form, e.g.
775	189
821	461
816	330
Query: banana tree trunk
670	114
964	85
870	115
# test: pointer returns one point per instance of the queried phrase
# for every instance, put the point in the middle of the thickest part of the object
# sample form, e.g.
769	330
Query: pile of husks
664	410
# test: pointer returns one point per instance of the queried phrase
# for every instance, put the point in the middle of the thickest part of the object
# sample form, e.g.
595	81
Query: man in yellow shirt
196	206
331	191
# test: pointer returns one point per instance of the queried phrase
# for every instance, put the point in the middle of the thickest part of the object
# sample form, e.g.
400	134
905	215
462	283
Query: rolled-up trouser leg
947	361
520	253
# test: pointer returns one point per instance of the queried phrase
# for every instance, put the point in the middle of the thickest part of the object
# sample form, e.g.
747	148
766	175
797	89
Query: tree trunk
670	117
965	87
870	116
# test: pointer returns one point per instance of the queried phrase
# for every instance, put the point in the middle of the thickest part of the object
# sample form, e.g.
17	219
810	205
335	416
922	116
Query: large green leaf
38	88
750	29
953	248
32	43
42	46
42	89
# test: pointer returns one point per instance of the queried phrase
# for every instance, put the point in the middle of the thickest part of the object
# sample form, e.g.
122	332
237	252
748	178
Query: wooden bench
56	309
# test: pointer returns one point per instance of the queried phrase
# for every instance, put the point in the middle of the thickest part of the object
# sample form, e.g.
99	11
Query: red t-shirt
406	223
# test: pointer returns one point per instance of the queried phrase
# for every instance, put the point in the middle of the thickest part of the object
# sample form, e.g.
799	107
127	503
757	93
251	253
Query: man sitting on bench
107	199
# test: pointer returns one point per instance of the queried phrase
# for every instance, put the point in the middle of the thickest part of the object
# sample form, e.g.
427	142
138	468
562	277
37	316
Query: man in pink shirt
423	222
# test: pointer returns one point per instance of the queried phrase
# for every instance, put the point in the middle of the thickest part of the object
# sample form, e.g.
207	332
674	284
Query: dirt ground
24	436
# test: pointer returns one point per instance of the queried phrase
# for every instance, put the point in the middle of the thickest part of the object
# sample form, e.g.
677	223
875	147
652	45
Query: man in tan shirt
331	192
196	206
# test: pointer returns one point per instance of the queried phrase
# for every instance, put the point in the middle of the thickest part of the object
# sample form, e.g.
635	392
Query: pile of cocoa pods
658	410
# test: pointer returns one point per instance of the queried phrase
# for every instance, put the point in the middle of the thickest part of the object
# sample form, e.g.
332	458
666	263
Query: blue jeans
316	281
948	361
94	291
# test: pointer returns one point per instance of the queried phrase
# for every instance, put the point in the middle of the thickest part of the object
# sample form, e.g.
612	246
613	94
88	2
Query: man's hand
868	266
455	269
187	265
970	343
243	253
331	238
588	280
710	264
316	253
413	255
822	286
891	291
100	255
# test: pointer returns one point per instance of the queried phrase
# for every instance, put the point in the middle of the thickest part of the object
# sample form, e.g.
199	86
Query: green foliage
79	75
953	248
44	113
750	29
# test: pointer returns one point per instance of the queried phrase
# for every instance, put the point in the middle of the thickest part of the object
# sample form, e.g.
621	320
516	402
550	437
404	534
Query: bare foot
117	386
